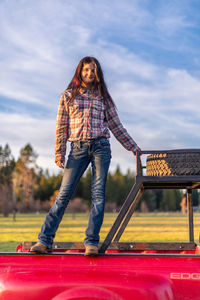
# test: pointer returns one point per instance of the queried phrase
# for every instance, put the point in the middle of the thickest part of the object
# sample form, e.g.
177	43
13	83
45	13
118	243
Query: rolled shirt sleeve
62	124
118	130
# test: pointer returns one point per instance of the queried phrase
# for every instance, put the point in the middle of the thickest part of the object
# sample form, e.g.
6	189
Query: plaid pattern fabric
86	117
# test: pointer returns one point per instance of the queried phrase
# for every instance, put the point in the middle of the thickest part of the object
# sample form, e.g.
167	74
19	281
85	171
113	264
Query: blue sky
150	54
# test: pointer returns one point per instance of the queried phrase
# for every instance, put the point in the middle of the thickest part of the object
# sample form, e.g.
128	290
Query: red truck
121	271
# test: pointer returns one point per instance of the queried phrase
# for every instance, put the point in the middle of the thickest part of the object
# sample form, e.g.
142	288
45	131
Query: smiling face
88	74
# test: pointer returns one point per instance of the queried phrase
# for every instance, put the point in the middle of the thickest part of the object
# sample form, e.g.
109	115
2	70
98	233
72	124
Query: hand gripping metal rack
152	182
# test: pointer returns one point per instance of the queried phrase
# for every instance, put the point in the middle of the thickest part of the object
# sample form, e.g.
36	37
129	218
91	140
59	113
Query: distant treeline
26	187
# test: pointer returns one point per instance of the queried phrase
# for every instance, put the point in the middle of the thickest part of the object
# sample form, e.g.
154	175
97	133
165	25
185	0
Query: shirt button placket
88	135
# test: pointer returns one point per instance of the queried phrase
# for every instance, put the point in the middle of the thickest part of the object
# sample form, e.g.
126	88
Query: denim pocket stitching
105	143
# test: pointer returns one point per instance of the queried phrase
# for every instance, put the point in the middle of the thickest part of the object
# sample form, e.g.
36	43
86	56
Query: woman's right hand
60	164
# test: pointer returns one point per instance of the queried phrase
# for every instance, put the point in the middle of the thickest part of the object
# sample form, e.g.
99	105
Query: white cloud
19	129
172	17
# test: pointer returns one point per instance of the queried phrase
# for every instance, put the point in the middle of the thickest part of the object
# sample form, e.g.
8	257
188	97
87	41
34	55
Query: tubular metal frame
152	182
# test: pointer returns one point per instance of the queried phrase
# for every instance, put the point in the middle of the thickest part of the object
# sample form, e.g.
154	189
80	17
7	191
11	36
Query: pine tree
7	164
25	178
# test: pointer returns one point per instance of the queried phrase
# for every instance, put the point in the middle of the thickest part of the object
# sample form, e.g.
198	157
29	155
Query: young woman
86	113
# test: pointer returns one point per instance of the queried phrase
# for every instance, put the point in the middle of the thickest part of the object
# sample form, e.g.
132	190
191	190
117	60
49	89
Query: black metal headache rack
185	181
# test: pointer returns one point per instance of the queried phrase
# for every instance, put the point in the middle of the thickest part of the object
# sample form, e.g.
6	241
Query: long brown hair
99	83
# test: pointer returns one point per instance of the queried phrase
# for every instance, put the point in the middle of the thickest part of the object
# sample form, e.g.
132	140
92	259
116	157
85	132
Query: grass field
151	227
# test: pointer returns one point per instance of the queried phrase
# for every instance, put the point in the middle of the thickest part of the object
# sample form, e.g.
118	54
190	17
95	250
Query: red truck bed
117	275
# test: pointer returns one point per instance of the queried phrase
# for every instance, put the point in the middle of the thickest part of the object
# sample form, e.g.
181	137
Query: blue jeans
97	152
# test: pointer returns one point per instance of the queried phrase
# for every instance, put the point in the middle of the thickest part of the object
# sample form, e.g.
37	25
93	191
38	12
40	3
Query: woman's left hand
136	149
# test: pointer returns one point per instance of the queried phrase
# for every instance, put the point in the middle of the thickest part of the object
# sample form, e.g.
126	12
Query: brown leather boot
40	248
91	250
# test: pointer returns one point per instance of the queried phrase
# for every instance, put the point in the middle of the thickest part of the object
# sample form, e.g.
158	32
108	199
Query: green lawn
150	227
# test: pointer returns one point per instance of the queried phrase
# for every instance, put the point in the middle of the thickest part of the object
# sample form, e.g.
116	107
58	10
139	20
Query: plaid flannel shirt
87	117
